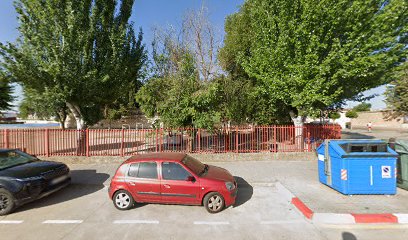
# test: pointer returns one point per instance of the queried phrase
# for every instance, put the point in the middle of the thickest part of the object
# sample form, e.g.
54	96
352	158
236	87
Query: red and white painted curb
349	218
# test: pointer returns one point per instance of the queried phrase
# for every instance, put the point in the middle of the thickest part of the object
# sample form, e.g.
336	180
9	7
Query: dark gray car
25	178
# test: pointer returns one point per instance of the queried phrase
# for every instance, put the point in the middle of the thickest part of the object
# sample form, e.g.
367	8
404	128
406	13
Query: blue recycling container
358	166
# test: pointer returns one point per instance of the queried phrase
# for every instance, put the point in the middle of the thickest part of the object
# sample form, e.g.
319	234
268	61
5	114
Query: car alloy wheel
6	202
214	202
123	200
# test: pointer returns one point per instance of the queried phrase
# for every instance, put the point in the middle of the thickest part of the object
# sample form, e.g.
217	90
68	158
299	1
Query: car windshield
13	158
194	165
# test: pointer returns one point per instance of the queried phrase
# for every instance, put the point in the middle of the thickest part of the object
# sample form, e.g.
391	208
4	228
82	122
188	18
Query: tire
214	202
6	202
123	200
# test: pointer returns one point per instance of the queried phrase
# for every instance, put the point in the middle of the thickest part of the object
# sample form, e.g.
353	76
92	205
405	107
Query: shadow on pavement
83	182
355	135
348	236
245	191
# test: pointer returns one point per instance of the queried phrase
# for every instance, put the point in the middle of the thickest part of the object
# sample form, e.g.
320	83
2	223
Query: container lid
401	146
362	148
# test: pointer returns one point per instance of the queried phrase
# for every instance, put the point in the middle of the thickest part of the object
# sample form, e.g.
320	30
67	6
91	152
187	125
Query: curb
307	212
348	218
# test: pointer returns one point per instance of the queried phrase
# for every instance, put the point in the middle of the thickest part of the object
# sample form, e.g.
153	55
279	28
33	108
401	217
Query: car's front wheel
123	200
6	202
214	202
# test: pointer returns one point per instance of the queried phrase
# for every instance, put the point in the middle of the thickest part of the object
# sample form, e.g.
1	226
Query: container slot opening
361	147
357	149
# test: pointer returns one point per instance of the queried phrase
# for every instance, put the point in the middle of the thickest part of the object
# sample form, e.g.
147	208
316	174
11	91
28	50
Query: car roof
157	156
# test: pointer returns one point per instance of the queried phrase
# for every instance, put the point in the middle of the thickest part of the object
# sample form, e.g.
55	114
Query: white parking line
282	222
11	221
136	222
62	221
210	223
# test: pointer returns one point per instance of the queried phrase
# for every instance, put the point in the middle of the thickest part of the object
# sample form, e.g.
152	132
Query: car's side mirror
191	179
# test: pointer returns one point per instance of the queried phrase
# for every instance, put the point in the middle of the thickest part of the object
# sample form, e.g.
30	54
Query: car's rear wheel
214	202
6	202
123	200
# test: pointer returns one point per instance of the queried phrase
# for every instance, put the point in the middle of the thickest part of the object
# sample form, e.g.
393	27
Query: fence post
122	143
236	140
199	140
309	145
275	147
87	141
157	145
339	132
6	138
47	142
161	140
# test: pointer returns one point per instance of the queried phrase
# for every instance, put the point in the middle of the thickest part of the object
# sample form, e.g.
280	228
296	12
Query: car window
147	170
174	171
133	170
194	165
13	158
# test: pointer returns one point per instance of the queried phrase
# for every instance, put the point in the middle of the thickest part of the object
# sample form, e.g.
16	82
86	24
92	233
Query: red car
173	178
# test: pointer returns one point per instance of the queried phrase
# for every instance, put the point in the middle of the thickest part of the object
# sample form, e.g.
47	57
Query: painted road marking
136	222
210	223
11	221
282	222
62	221
402	218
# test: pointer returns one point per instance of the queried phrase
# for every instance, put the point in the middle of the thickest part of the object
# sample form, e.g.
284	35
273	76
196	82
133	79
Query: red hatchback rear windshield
193	164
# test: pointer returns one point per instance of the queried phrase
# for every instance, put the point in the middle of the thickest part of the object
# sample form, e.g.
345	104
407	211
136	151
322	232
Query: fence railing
125	142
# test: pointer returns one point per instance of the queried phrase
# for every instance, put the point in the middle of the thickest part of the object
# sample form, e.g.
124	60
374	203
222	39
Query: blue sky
150	13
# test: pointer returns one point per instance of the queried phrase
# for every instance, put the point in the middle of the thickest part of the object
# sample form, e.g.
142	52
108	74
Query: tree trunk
76	112
62	124
62	116
299	122
81	136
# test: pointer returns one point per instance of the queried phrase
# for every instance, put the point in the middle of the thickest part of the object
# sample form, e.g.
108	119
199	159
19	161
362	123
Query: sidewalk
374	134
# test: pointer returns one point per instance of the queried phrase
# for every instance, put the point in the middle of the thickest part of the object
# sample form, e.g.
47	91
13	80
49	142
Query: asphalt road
263	211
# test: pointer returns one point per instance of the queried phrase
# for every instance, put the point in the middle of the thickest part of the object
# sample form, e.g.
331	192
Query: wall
379	119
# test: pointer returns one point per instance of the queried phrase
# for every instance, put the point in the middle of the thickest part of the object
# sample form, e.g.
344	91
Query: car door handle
132	183
166	185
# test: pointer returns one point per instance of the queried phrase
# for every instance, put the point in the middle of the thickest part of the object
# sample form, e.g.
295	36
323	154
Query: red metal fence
125	142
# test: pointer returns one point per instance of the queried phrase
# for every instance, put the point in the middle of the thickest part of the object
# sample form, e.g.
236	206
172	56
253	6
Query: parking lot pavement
263	211
301	178
83	211
365	232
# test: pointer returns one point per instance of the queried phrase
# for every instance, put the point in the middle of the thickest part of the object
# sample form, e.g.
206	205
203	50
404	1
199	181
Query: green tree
303	56
397	93
362	107
352	114
5	95
183	90
179	98
334	115
44	105
83	51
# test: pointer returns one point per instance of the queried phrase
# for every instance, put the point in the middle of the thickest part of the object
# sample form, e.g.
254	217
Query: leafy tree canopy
309	55
352	114
179	98
43	105
362	107
397	93
84	51
334	115
5	94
